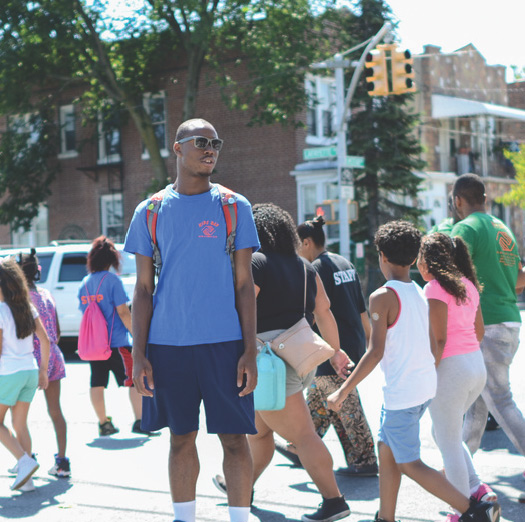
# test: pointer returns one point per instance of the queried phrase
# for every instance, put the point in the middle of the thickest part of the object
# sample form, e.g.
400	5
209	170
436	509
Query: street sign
347	191
319	153
355	162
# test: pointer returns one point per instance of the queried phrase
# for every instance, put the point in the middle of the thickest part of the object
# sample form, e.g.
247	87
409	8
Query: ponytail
313	229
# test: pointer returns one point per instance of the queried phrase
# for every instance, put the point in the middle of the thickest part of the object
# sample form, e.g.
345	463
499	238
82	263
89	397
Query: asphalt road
124	477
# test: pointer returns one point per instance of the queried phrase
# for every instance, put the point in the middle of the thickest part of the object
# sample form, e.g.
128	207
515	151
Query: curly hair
102	255
276	229
313	228
399	241
30	267
448	260
16	296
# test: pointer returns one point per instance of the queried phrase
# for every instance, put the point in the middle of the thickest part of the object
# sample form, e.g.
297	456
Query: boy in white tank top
401	342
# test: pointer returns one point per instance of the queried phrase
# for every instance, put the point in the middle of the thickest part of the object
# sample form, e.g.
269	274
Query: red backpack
93	341
229	207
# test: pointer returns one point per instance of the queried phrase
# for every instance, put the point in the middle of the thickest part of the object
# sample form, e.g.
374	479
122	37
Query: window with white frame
27	124
155	106
321	110
67	131
108	136
112	216
37	235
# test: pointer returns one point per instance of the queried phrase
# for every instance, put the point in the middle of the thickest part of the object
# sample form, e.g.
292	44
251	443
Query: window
108	136
155	107
67	131
28	124
112	216
73	268
37	235
321	112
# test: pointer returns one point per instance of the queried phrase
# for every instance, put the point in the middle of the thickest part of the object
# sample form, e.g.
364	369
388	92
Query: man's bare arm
245	305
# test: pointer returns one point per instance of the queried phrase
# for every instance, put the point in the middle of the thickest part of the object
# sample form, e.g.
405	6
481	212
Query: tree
114	56
382	130
516	195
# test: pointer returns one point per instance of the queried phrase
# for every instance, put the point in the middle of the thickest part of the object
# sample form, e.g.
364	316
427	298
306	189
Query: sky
495	28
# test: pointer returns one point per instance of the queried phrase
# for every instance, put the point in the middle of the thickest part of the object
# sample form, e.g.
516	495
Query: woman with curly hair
279	276
457	324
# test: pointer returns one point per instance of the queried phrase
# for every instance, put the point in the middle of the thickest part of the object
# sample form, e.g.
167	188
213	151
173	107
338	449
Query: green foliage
516	195
27	168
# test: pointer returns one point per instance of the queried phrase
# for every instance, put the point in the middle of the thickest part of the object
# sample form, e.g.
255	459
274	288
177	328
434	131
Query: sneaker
26	467
61	468
329	509
220	484
481	512
364	470
28	486
285	452
138	429
107	428
485	494
14	469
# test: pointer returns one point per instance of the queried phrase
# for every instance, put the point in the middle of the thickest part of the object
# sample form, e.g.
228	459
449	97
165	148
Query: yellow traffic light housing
376	73
402	71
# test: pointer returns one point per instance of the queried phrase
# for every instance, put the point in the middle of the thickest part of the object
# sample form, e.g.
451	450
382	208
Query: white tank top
408	363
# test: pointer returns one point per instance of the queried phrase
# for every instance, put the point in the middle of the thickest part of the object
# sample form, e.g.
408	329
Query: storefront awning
451	107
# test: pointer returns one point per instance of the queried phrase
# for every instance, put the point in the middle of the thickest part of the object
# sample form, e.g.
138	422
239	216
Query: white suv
63	268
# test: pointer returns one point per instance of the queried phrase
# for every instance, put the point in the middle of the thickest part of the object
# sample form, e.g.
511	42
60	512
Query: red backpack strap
229	207
152	212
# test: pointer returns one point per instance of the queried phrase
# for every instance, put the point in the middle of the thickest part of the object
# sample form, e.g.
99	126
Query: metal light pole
344	172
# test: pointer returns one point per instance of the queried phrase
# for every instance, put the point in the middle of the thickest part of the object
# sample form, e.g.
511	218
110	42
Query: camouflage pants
349	423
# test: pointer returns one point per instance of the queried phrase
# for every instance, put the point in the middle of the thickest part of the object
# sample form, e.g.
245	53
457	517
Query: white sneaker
26	467
28	486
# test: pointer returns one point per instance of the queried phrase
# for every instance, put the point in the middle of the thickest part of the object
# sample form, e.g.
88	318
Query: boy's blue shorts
186	375
399	430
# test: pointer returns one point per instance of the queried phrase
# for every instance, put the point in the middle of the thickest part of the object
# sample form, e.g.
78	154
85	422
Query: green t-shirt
495	255
445	227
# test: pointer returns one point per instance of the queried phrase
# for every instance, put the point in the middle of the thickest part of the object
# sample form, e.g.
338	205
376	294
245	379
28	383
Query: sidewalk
124	477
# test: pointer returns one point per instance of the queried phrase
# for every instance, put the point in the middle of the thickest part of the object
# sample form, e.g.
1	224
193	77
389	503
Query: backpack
229	207
93	341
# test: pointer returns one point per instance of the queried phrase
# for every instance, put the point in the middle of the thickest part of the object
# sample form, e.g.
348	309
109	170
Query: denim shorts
18	387
185	376
399	430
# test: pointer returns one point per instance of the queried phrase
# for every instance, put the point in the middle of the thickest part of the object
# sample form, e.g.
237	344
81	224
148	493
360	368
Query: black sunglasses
201	142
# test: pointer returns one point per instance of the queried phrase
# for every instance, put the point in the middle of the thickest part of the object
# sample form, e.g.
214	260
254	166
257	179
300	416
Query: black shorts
100	370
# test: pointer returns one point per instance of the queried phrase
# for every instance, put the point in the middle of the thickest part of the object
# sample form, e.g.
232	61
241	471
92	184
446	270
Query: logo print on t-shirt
208	228
505	241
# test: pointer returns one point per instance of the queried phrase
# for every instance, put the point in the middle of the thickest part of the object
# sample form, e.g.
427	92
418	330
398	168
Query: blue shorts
399	430
186	375
18	387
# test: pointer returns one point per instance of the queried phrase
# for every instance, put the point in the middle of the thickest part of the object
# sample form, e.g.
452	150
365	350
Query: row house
467	119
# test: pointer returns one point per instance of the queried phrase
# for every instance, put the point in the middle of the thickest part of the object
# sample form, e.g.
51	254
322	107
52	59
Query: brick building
467	117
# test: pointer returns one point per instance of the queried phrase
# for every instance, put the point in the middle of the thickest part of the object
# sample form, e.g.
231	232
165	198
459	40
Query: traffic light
376	72
402	72
326	210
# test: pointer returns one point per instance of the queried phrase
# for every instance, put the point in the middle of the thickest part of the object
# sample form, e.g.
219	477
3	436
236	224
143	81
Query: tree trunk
145	128
195	62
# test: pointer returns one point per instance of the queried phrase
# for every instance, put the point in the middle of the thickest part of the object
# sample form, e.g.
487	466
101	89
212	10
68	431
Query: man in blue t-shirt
194	338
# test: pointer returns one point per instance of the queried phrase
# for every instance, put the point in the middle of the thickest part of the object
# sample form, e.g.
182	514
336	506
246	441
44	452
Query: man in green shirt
495	254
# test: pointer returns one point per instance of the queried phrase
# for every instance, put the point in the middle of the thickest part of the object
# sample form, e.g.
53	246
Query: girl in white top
19	372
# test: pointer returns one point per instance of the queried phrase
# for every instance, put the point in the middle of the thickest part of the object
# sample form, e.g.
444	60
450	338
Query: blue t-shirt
111	294
195	299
